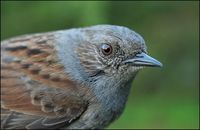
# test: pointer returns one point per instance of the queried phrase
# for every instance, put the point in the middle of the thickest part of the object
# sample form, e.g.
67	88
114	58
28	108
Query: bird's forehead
129	39
126	38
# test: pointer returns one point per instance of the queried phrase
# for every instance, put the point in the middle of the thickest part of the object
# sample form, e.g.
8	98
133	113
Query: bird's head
113	51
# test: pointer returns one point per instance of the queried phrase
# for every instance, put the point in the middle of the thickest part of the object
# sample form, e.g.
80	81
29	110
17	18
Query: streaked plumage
62	80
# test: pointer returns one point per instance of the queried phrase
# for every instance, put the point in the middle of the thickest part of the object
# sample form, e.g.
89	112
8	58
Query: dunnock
77	78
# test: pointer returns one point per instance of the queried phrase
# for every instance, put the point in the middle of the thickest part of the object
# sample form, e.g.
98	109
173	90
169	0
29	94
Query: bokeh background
160	98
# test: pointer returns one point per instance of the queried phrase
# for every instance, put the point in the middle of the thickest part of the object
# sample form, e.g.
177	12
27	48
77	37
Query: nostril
139	55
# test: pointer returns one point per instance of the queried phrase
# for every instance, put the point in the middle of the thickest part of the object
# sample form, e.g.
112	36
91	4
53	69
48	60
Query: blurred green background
160	98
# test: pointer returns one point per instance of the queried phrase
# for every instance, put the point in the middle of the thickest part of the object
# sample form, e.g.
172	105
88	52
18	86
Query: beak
143	59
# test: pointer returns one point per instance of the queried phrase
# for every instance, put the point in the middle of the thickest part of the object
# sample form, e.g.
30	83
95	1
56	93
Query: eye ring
106	49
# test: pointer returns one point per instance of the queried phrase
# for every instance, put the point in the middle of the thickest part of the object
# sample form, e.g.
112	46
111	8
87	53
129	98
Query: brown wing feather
34	84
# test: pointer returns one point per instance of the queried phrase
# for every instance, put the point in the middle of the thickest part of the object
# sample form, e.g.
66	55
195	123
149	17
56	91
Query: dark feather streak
34	51
16	48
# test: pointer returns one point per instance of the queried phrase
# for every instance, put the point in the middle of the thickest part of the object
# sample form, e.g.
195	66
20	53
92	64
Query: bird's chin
136	68
132	71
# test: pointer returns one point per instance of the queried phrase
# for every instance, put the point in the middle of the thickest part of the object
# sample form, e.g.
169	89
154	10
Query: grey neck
67	41
112	95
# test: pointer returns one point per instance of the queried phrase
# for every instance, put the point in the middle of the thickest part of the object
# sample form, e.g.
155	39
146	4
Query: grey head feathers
84	47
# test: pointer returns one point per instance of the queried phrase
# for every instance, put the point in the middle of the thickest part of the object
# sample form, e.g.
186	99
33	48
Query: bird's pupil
107	50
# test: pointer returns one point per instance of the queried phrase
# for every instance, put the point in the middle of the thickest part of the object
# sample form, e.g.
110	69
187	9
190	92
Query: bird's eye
106	49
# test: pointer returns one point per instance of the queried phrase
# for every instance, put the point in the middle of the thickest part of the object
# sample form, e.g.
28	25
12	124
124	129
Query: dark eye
106	49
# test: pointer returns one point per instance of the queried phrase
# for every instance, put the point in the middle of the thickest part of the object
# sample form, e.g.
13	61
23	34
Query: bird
76	78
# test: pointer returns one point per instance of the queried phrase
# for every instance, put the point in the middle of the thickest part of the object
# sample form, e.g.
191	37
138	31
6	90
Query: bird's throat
113	95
